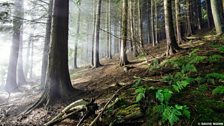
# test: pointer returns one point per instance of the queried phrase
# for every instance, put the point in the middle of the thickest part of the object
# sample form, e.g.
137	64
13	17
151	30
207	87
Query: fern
214	58
172	114
164	95
180	85
218	90
140	93
188	68
219	76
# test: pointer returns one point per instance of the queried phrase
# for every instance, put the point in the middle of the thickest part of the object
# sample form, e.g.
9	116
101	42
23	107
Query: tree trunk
216	17
58	84
109	55
11	81
209	13
20	71
140	24
189	23
97	35
123	55
178	21
152	23
149	21
172	45
94	28
77	38
199	15
46	44
156	22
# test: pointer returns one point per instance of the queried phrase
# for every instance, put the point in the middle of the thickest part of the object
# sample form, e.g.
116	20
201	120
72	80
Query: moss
129	110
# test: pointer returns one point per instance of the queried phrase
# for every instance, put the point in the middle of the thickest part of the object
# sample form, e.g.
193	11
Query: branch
104	108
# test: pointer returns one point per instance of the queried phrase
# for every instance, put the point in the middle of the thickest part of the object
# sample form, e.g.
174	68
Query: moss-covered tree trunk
216	17
123	54
172	45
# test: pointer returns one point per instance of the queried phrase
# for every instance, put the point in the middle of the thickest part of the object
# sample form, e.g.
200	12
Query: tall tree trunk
28	56
209	13
178	21
97	35
199	15
189	23
123	55
172	45
94	29
156	23
140	23
216	17
152	23
58	84
77	38
149	21
109	55
46	44
11	81
20	71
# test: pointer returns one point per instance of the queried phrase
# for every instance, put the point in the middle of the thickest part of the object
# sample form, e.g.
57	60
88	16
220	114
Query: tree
123	55
152	22
216	17
172	45
189	23
209	13
20	72
57	84
108	20
178	23
11	82
96	60
46	44
77	37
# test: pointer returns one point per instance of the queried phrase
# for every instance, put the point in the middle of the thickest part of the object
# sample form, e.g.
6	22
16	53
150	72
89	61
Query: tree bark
46	44
209	13
11	81
58	84
178	21
152	23
216	17
97	35
77	37
123	55
20	71
189	23
172	45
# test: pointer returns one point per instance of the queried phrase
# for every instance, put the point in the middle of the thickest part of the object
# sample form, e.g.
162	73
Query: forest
111	62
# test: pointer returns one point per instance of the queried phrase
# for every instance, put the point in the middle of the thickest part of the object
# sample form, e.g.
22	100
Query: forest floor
138	103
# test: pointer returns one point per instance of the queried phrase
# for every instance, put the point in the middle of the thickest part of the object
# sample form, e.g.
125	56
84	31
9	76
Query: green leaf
164	95
218	90
139	97
188	68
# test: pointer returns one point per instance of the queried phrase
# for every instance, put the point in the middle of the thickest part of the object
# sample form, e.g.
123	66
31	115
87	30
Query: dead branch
104	108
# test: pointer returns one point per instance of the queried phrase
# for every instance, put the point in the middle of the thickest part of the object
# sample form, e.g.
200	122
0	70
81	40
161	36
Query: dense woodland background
44	44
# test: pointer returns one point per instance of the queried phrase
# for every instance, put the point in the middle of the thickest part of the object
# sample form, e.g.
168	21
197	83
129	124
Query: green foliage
137	82
218	76
214	58
188	68
154	65
140	93
172	114
192	58
164	95
218	90
180	85
221	49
